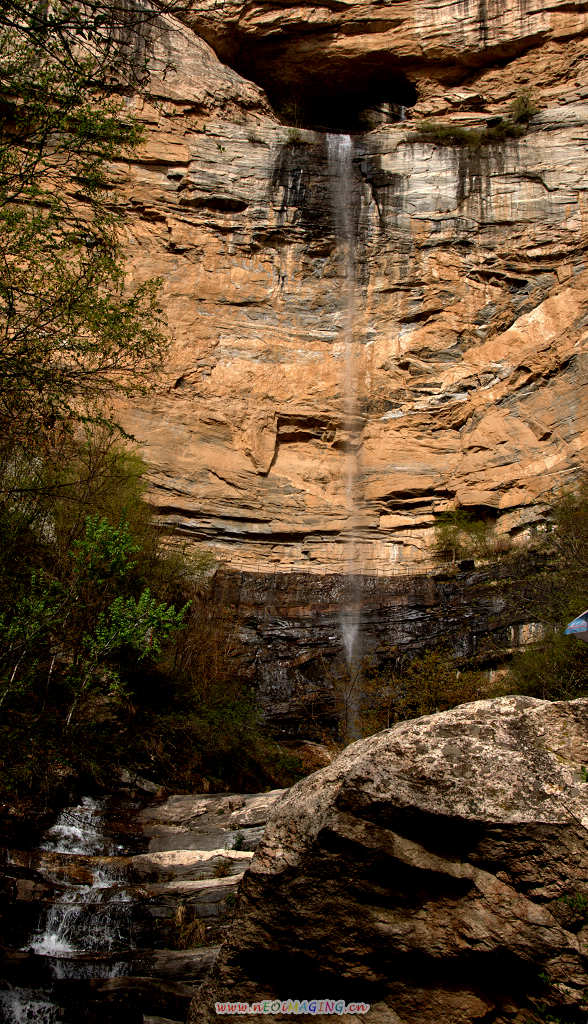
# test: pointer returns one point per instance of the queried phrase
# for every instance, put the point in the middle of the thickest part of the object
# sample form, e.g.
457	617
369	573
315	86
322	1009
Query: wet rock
116	1000
190	965
292	629
137	782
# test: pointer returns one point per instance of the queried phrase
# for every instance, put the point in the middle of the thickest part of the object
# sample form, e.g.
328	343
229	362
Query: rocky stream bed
436	871
119	910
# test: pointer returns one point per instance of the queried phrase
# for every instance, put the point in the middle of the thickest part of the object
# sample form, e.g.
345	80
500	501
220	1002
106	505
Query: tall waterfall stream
340	168
90	926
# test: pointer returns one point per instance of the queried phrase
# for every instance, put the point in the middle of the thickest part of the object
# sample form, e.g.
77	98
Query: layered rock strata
437	871
290	630
471	285
159	915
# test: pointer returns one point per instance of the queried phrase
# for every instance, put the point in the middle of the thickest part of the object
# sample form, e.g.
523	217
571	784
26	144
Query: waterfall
87	930
80	830
93	918
18	1006
85	918
340	167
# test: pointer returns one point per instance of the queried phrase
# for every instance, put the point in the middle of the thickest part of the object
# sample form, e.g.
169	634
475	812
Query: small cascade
135	945
87	931
80	830
27	1006
340	166
93	918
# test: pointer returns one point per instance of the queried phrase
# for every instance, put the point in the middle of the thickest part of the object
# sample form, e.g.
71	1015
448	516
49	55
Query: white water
25	1006
87	919
84	920
340	167
80	830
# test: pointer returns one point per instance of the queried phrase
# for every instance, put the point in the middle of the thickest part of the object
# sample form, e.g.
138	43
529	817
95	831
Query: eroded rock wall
290	627
471	295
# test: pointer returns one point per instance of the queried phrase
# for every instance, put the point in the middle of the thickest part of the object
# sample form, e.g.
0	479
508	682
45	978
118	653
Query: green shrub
449	135
555	667
514	126
113	653
470	138
294	137
523	107
458	535
411	687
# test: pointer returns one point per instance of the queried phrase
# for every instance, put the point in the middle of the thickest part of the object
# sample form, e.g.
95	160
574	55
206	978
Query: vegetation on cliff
531	588
543	582
110	654
555	666
460	535
497	130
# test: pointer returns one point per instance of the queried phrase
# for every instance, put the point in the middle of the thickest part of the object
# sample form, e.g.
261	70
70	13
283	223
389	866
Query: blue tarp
579	627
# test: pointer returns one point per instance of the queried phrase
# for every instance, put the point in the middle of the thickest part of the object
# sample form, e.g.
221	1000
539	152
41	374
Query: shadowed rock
430	871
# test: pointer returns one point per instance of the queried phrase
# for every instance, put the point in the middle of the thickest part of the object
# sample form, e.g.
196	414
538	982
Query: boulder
437	871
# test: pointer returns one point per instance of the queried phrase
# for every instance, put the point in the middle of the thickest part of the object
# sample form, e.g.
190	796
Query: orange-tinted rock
471	292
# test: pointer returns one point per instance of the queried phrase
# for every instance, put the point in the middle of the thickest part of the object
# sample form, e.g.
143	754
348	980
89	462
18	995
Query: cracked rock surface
437	870
471	288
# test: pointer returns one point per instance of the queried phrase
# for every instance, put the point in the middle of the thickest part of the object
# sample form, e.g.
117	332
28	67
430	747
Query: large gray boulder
437	871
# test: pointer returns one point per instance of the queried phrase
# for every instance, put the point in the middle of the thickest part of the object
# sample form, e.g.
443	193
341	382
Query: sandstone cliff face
437	871
471	295
360	47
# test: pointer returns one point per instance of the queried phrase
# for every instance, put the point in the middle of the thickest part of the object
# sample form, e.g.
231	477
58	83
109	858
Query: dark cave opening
351	97
348	106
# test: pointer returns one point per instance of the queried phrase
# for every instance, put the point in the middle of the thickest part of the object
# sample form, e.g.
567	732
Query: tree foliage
71	624
459	534
410	686
556	666
113	650
74	334
109	652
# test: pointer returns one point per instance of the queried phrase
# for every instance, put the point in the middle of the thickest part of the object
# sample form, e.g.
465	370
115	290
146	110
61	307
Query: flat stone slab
204	822
174	865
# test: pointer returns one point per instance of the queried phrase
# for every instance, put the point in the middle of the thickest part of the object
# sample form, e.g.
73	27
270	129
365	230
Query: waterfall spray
340	166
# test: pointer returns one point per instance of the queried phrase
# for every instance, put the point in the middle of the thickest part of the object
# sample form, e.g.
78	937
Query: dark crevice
350	103
218	204
332	97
